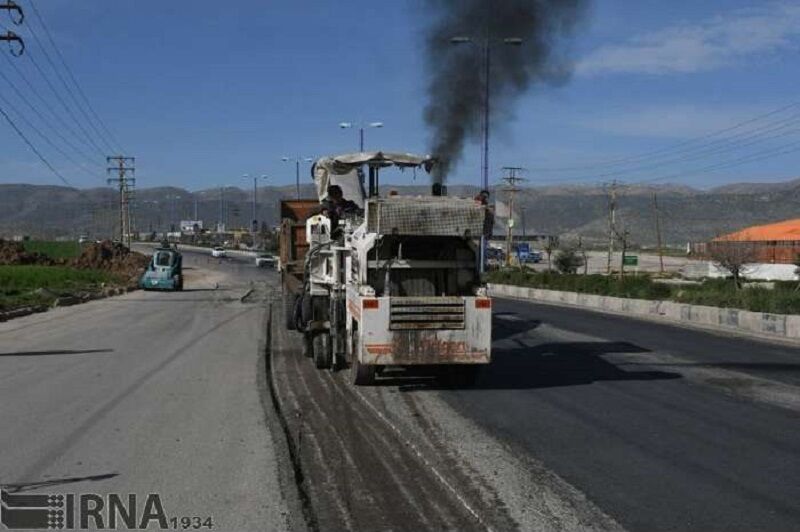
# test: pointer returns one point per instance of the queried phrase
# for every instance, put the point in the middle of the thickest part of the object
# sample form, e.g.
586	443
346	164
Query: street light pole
254	221
486	88
487	65
297	161
347	125
297	177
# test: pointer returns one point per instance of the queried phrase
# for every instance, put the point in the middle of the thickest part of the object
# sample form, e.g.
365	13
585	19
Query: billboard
188	226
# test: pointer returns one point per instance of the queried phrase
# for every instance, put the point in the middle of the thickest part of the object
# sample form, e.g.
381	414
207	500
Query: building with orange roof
775	243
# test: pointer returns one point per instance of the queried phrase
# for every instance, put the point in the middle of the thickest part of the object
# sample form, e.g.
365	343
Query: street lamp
486	43
172	198
254	223
348	125
297	161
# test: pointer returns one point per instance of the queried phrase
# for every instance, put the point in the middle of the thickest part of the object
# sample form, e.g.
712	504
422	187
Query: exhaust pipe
438	189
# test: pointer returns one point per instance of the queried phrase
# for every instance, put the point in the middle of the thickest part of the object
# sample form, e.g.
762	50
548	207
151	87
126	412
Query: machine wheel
308	346
179	283
322	350
289	302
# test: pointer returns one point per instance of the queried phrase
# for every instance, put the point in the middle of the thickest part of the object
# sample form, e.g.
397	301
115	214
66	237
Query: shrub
568	261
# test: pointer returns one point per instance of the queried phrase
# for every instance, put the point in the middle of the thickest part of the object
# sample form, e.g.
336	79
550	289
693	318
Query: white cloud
716	42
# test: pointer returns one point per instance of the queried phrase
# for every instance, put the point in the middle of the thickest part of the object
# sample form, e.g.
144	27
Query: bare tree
732	255
585	258
551	244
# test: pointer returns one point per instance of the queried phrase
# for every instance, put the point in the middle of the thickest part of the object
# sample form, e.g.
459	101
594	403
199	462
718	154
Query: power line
45	138
47	123
65	84
74	79
58	96
735	142
55	114
785	149
33	148
676	147
705	153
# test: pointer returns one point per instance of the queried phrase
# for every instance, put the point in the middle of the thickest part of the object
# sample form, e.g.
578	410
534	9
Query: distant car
495	254
219	252
83	239
264	260
532	257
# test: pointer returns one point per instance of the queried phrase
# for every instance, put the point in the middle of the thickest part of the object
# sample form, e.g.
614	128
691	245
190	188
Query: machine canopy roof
343	170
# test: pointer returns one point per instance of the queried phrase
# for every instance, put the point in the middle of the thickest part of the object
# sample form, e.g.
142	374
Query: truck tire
323	354
289	302
362	374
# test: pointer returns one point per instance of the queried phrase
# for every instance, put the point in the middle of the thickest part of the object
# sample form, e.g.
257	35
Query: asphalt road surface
584	421
150	392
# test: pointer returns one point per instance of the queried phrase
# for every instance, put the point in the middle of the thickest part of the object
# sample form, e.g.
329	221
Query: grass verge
41	285
54	250
782	299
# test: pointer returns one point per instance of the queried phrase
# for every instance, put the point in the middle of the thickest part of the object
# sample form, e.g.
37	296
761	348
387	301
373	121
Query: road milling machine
391	281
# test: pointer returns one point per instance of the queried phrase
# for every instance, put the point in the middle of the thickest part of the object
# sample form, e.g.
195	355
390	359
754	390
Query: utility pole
221	224
658	232
612	220
124	169
624	239
512	179
522	215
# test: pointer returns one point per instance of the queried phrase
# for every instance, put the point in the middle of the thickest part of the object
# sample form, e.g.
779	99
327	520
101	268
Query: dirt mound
14	253
112	257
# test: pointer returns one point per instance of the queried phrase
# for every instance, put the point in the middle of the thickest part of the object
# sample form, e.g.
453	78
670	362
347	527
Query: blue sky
204	91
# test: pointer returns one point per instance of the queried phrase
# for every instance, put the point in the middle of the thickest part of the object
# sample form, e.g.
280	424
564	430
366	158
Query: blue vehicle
165	271
527	255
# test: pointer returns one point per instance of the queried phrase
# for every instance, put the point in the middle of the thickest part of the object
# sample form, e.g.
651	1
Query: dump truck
393	282
165	271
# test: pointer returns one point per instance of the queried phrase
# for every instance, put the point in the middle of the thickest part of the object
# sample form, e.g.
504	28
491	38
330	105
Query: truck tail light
370	304
483	302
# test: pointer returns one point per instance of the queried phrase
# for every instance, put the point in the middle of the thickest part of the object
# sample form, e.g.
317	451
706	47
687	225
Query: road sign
630	260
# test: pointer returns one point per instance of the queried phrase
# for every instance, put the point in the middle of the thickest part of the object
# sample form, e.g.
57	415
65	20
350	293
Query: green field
19	285
783	299
53	249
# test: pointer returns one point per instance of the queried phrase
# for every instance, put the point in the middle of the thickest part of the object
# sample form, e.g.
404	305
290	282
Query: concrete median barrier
742	321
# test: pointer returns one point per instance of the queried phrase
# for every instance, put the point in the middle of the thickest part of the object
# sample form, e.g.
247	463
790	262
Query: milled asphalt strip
424	460
294	457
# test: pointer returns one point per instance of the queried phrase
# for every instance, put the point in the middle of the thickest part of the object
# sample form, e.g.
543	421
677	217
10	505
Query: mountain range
685	214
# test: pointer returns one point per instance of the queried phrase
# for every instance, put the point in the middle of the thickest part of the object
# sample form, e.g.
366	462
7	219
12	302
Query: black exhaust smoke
455	56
